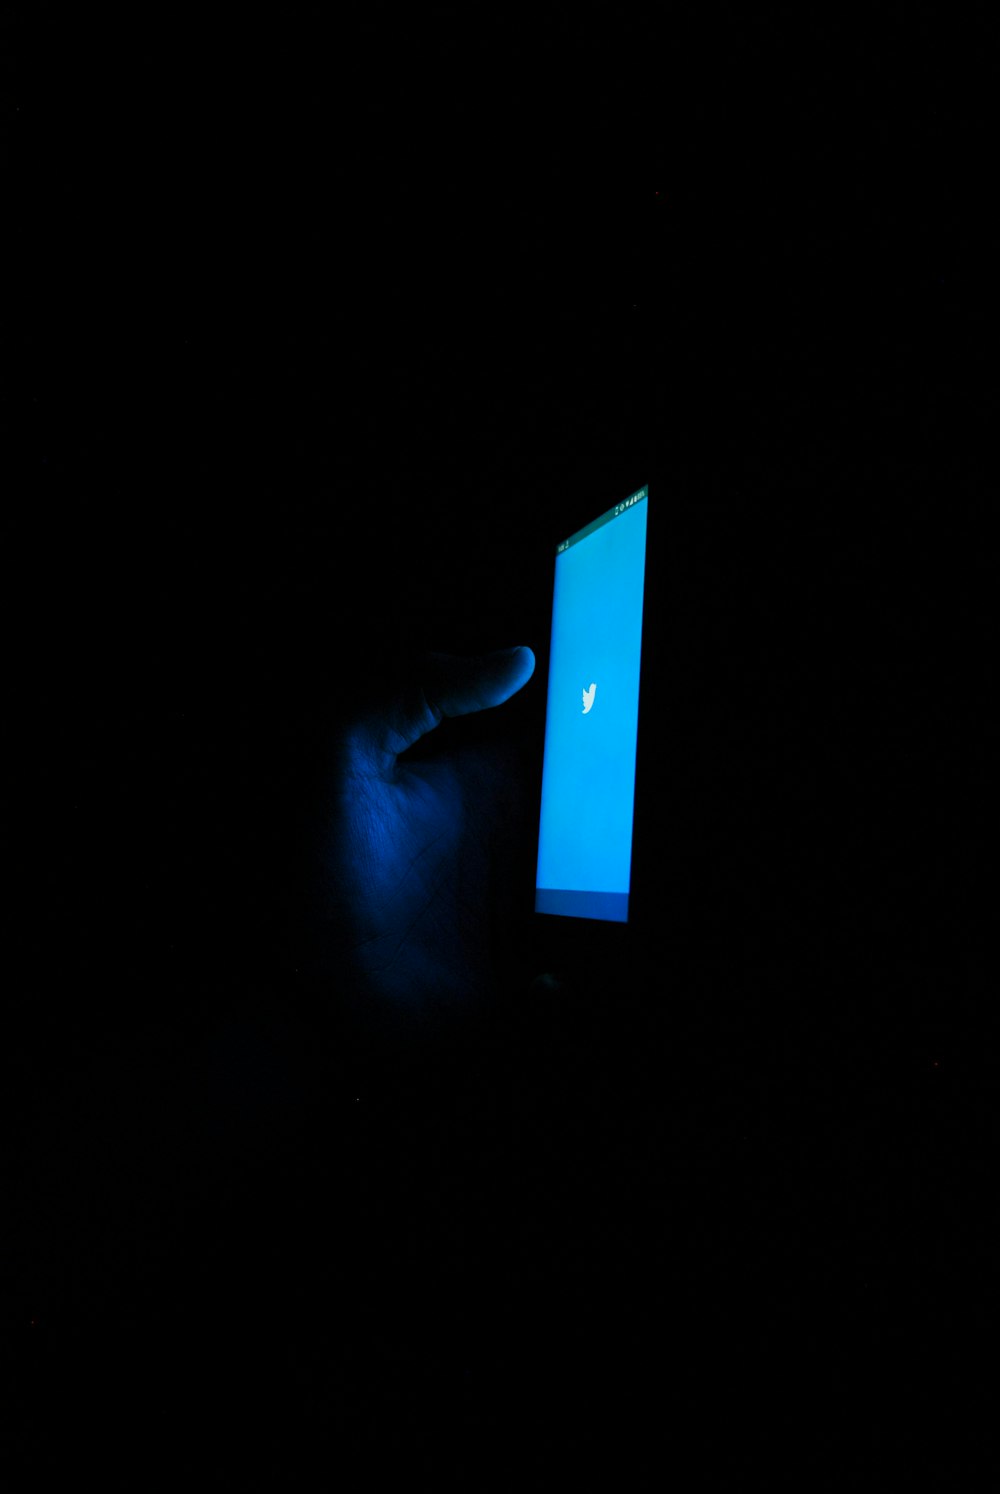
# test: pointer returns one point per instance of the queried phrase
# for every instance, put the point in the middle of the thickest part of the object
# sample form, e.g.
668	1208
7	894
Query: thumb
451	685
457	686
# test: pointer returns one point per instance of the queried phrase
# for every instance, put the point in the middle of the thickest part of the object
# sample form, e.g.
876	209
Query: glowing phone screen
592	717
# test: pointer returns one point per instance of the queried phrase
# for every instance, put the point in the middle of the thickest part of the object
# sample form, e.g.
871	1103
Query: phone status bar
605	518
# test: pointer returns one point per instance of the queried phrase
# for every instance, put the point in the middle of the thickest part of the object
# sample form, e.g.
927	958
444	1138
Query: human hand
408	869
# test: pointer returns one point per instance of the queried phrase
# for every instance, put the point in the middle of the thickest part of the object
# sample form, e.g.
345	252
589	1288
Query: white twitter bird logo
588	699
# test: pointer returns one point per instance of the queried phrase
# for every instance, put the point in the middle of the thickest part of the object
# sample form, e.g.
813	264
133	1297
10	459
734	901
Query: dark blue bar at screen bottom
612	907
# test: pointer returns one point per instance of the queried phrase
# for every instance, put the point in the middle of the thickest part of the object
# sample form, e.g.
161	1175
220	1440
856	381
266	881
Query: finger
452	685
456	686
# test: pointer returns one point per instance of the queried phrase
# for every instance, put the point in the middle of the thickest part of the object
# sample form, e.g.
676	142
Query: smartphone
586	823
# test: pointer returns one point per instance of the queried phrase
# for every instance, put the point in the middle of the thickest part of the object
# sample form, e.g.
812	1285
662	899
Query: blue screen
592	717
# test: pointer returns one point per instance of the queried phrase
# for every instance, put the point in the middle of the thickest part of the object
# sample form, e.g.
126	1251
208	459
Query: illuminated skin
409	863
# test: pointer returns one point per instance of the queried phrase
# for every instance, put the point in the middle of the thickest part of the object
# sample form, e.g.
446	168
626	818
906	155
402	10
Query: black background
323	333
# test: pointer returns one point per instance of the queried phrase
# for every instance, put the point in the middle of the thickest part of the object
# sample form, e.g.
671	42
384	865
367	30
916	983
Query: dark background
322	334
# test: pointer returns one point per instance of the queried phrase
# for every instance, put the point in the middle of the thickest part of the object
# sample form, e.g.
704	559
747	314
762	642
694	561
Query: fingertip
507	670
523	654
522	660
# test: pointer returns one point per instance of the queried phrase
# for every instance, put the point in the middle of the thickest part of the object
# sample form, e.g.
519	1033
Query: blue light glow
588	776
